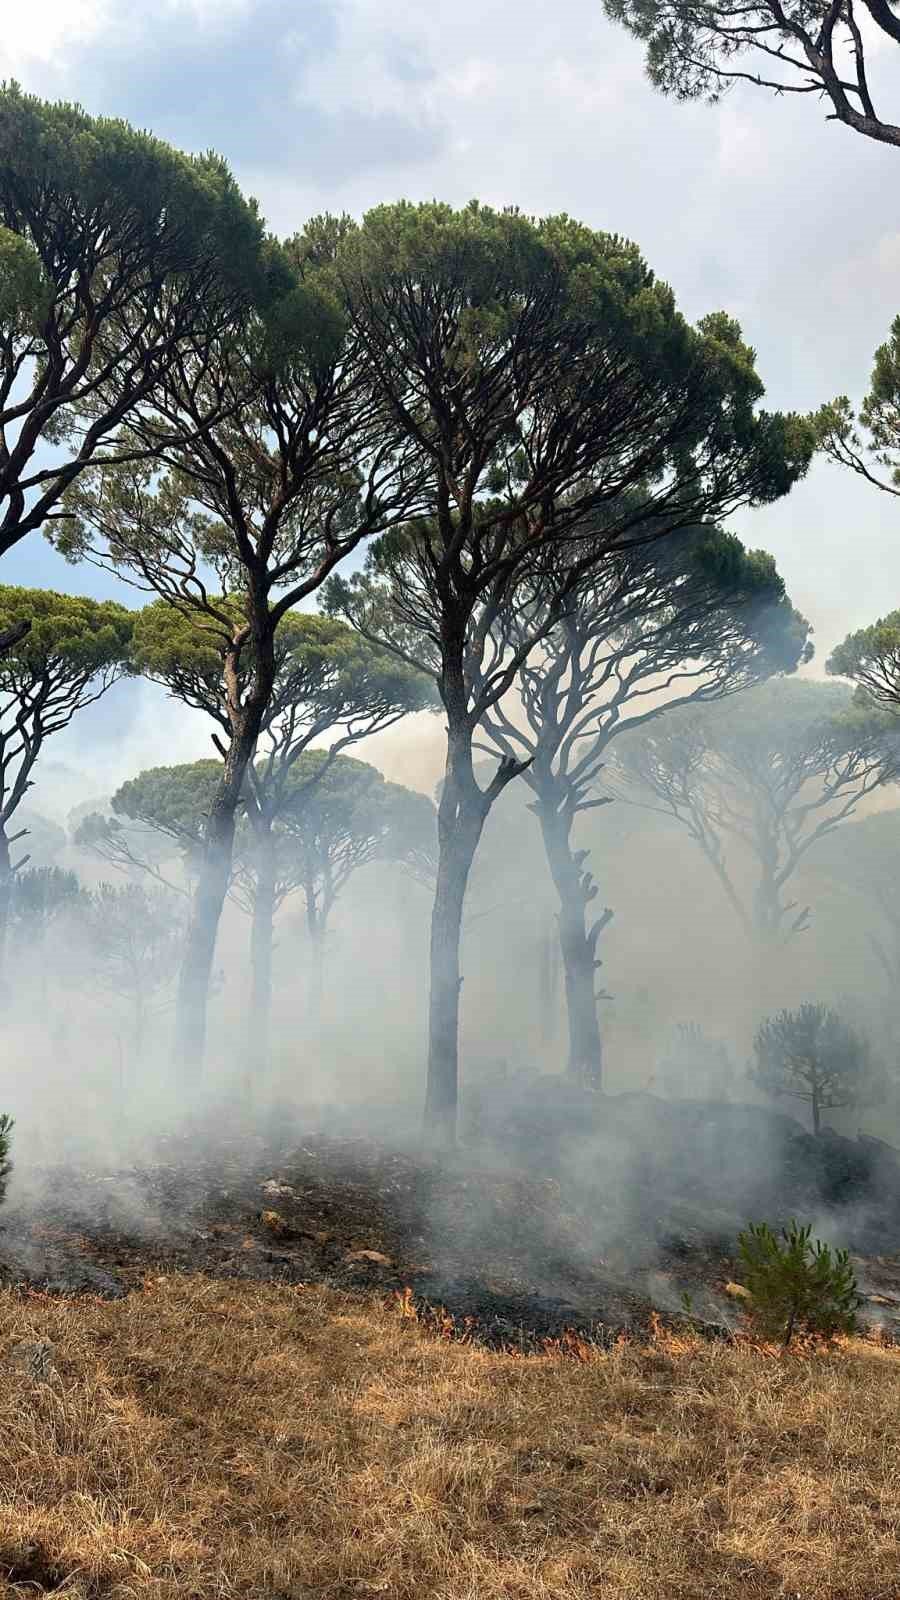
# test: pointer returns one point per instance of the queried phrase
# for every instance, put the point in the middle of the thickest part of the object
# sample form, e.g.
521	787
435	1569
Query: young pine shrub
812	1054
797	1284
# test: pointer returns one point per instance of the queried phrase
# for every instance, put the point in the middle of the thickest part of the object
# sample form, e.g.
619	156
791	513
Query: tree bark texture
461	816
578	941
213	878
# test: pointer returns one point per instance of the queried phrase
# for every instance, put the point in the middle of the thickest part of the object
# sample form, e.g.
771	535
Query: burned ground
563	1211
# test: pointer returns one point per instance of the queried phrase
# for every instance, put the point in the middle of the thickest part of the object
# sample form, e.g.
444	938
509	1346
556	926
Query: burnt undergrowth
562	1212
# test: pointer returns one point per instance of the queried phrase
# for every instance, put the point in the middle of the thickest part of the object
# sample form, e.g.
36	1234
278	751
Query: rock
34	1357
273	1187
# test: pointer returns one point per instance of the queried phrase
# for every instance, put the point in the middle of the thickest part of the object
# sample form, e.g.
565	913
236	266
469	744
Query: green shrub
797	1284
6	1128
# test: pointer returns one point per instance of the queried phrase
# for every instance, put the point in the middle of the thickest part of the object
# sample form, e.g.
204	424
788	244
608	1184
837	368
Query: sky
758	206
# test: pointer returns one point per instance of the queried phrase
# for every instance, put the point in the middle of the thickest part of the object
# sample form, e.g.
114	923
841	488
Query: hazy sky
758	206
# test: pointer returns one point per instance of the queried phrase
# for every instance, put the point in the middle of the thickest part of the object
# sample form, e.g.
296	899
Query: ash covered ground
561	1210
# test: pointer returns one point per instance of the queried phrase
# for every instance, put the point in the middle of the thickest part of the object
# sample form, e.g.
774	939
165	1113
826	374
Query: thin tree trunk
213	878
578	941
260	1020
461	816
316	927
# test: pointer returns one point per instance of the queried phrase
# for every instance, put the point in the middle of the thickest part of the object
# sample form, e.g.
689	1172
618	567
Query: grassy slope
216	1439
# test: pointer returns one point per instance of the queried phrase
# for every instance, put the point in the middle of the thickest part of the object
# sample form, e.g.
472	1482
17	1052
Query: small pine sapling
797	1284
812	1054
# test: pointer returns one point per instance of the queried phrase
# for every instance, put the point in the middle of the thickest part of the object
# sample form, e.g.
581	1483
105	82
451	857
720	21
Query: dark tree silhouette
328	684
272	461
693	619
74	650
813	1055
870	658
135	938
539	373
763	780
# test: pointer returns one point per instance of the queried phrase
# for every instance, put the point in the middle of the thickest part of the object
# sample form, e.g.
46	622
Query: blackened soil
495	1247
516	1241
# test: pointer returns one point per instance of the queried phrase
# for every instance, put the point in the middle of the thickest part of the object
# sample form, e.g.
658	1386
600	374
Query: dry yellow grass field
219	1439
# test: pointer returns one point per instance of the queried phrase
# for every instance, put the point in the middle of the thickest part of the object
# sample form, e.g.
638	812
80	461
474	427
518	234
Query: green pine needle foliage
797	1284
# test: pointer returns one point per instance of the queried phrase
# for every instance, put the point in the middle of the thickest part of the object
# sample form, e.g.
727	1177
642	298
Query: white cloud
45	31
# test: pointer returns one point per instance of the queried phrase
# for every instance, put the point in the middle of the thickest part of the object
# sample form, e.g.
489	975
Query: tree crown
813	1053
70	635
495	340
555	400
115	251
696	48
871	658
171	800
692	618
324	670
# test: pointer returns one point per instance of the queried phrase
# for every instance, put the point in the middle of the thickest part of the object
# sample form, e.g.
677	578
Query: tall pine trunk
577	939
261	939
213	879
246	713
461	816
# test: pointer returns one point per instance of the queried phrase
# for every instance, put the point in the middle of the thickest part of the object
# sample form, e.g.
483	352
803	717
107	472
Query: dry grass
211	1439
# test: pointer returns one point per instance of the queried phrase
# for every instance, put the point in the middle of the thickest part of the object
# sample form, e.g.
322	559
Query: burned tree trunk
577	937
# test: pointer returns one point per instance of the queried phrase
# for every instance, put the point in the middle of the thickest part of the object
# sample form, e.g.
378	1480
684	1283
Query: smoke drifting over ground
561	1207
